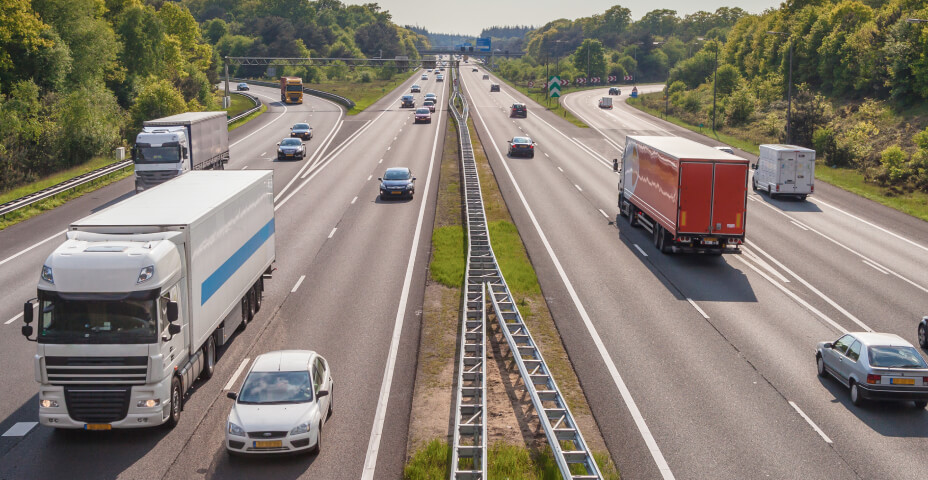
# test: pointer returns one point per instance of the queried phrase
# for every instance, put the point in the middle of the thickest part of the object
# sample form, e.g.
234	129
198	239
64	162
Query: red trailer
691	197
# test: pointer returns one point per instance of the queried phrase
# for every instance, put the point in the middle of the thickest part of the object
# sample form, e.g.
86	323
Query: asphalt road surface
703	367
349	283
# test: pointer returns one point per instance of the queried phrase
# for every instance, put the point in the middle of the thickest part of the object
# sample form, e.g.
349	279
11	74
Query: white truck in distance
169	146
785	170
133	305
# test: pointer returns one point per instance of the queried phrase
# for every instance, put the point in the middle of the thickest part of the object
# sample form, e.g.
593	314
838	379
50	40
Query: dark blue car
397	182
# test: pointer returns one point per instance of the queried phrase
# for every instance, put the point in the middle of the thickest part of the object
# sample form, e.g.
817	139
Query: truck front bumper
58	414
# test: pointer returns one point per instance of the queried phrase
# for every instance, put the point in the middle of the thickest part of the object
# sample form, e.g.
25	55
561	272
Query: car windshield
301	126
521	140
407	97
290	142
276	388
396	175
422	110
895	357
130	317
243	85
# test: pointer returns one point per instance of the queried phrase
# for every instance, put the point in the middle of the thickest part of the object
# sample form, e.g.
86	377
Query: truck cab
160	154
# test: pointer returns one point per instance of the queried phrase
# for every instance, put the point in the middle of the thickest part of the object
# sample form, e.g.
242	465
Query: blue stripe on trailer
214	282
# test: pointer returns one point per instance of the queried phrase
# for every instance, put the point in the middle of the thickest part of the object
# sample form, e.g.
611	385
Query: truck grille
96	370
92	404
151	178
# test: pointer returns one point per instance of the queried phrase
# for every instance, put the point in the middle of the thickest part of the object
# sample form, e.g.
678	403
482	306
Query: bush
366	77
692	102
675	87
895	163
89	122
740	107
156	99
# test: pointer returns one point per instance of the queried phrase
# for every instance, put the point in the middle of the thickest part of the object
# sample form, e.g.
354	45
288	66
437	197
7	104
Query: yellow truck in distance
291	89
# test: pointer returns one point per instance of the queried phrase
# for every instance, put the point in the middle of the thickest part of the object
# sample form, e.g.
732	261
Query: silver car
875	366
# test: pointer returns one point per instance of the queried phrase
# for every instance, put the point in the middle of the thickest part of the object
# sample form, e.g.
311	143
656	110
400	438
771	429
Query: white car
425	77
284	403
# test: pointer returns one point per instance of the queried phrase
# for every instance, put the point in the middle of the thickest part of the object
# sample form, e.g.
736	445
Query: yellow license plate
98	426
902	381
710	239
269	444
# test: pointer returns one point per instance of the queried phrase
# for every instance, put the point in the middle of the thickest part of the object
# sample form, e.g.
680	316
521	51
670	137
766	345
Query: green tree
90	38
142	33
727	79
157	98
20	34
590	54
89	123
895	163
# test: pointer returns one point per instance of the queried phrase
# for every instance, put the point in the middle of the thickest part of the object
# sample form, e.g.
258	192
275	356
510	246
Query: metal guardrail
79	180
316	93
483	276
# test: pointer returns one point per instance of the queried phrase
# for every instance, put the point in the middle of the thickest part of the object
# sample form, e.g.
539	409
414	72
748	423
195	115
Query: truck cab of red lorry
690	196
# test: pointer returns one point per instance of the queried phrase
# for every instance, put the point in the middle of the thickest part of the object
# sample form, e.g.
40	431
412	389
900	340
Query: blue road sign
483	44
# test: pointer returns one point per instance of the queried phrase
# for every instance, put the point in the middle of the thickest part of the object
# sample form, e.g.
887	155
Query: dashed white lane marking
34	245
560	169
245	167
640	250
355	199
369	177
884	272
381	160
549	156
799	225
298	283
332	233
235	375
604	213
810	422
263	154
17	317
19	429
387	149
701	312
578	187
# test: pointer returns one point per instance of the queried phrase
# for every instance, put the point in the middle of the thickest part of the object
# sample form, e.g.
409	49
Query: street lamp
789	95
715	80
916	20
557	56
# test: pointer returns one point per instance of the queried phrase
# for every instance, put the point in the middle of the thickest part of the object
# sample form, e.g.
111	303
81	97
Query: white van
785	170
605	102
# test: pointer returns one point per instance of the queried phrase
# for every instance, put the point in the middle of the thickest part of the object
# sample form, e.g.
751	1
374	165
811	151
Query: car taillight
813	189
778	188
872	379
925	381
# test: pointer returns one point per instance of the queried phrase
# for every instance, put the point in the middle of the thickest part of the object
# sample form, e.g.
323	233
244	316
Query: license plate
269	444
902	381
98	426
289	154
396	192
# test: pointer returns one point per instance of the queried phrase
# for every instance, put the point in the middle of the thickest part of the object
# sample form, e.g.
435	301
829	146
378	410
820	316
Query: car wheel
176	399
328	414
820	366
318	446
209	353
856	399
531	155
922	335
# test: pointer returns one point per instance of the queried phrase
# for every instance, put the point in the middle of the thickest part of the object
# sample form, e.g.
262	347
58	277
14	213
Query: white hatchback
285	401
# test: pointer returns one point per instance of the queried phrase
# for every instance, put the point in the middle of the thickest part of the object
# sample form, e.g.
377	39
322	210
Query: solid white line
624	392
810	422
604	213
235	375
884	272
753	256
326	142
373	446
795	297
900	237
34	245
810	287
332	233
355	199
799	225
19	429
578	187
639	249
298	283
263	126
701	312
13	319
357	133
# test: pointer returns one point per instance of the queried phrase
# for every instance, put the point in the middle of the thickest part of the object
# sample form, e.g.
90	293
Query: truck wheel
259	294
754	184
176	399
632	215
802	197
245	309
209	355
251	304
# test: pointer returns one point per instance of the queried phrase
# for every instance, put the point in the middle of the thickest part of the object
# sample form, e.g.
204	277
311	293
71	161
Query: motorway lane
704	402
298	238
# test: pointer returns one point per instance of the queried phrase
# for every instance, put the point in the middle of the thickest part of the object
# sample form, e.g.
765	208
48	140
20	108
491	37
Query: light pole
789	95
557	56
916	20
715	81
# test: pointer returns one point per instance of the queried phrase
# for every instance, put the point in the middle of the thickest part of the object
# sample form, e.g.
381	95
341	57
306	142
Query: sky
471	16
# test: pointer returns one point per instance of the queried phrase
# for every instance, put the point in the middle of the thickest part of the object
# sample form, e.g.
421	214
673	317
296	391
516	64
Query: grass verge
248	118
54	179
240	103
912	203
551	104
362	94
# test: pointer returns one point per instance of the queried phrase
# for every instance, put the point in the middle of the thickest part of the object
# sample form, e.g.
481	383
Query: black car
397	182
408	101
302	130
242	87
522	146
615	91
290	149
486	77
518	110
494	87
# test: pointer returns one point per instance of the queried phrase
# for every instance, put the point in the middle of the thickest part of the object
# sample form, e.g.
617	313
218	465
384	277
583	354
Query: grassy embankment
914	203
429	458
363	94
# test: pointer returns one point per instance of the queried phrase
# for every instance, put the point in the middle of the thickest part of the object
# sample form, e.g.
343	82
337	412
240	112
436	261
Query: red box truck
691	197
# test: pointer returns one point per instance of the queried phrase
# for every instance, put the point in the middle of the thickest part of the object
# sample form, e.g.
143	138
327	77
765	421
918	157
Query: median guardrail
347	103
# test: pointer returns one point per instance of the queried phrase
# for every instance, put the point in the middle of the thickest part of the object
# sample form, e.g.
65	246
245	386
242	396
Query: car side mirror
322	393
828	345
27	313
232	395
413	178
173	329
380	179
173	313
278	144
754	167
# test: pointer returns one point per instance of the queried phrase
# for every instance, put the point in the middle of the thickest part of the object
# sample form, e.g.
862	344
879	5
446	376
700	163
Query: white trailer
785	170
133	305
168	147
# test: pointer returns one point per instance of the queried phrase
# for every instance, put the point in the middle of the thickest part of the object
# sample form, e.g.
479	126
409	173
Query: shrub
740	107
895	163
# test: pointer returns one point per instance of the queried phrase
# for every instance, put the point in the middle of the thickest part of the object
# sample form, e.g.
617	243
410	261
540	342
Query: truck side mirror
184	150
172	312
754	167
27	332
135	152
173	329
27	313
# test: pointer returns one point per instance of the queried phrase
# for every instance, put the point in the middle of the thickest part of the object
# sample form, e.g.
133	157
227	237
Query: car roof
283	361
876	338
300	125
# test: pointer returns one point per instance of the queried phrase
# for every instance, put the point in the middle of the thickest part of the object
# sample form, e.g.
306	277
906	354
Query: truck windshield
294	88
98	317
158	154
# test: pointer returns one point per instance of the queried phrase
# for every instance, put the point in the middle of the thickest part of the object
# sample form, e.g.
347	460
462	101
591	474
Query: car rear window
521	140
895	357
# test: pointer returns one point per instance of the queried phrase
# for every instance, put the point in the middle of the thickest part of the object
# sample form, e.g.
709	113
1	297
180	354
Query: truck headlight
146	273
48	403
299	429
236	430
47	274
151	402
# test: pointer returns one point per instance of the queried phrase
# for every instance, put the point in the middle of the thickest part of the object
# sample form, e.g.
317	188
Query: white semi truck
135	302
169	146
